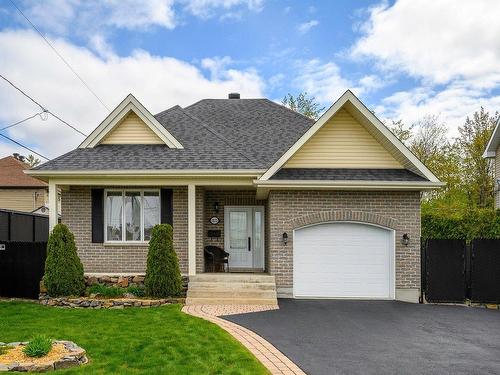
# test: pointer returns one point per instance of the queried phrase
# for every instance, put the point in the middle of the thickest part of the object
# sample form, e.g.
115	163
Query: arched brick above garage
344	215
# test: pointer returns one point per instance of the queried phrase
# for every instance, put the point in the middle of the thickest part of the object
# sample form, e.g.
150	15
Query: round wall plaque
214	220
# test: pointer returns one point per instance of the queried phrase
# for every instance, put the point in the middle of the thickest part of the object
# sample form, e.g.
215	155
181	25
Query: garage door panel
343	260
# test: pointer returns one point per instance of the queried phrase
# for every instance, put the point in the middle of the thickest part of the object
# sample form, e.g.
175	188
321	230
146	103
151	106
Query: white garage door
343	260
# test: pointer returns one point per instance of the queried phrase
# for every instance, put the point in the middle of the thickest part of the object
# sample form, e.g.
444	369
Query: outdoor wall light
216	206
406	239
285	238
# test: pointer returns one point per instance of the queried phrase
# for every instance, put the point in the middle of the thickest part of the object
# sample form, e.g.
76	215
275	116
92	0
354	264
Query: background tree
399	129
427	138
304	104
477	171
31	160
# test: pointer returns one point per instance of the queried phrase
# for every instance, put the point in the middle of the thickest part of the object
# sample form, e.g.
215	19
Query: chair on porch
216	259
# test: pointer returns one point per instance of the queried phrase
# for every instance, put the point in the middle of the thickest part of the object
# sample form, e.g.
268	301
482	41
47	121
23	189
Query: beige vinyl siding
131	130
342	143
22	199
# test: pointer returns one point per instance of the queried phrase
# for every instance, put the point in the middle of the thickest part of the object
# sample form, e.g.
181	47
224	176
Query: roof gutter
350	184
147	173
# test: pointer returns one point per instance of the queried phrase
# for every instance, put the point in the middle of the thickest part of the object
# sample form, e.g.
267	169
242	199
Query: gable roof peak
130	103
405	156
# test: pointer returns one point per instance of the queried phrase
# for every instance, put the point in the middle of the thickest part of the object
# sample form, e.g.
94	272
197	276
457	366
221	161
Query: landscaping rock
138	279
104	279
74	356
122	282
91	280
66	362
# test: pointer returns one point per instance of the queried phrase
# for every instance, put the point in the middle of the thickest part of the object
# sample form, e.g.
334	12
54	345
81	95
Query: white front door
244	236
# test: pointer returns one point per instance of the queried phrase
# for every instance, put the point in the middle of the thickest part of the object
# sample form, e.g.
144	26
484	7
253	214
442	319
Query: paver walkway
275	361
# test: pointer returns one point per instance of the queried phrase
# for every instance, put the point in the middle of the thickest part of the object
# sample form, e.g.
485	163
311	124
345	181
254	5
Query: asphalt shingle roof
215	133
346	174
12	175
220	134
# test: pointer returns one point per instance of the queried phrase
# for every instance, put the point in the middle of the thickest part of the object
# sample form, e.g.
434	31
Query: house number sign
214	220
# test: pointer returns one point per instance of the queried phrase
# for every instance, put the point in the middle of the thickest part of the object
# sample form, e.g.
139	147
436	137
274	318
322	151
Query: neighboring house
19	191
331	207
493	151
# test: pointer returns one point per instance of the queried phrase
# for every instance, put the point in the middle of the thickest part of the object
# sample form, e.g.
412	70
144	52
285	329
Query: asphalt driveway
381	337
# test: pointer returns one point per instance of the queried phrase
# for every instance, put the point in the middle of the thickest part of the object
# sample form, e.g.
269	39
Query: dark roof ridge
168	110
206	126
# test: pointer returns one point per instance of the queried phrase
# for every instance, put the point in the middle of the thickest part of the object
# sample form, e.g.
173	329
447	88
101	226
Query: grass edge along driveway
135	340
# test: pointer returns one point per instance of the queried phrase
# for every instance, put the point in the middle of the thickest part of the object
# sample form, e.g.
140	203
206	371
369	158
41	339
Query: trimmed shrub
479	223
38	346
163	277
63	268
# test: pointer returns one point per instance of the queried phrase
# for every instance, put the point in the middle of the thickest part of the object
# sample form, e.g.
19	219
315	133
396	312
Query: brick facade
117	258
289	210
284	212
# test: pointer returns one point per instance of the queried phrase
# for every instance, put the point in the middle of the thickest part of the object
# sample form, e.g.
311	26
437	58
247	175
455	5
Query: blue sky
404	59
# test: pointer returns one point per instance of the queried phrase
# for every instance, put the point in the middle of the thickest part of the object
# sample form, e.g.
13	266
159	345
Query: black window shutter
98	215
167	207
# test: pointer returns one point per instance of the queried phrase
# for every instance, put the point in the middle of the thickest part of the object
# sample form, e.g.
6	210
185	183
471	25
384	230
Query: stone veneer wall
289	210
117	258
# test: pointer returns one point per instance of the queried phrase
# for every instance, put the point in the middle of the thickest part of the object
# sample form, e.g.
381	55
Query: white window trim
123	191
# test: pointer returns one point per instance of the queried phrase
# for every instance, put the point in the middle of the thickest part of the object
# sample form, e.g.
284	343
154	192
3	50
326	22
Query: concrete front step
196	293
231	289
232	277
231	301
231	285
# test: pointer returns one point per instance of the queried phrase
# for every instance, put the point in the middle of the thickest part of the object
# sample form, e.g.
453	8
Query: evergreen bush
472	224
163	277
63	268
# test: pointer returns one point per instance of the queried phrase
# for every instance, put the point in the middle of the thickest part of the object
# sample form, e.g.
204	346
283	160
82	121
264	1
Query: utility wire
41	106
23	146
26	119
60	56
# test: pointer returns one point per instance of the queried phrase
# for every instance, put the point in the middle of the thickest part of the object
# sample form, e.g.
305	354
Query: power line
23	146
41	106
26	119
60	56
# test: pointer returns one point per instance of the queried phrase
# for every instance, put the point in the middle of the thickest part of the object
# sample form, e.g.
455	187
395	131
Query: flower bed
64	354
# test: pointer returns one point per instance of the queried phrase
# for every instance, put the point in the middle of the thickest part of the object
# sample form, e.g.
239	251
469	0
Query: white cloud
438	41
208	8
306	26
323	80
133	14
372	82
85	17
158	82
452	104
452	51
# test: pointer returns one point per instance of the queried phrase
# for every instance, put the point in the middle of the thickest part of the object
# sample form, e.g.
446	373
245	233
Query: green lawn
156	340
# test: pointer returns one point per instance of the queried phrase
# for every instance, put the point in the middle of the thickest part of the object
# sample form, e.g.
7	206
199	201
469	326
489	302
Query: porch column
192	229
53	217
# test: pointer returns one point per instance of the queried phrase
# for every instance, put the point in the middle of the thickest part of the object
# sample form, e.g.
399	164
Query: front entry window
131	214
238	234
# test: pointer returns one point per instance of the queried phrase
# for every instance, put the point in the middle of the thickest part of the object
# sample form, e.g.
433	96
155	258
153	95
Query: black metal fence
21	268
21	226
453	271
